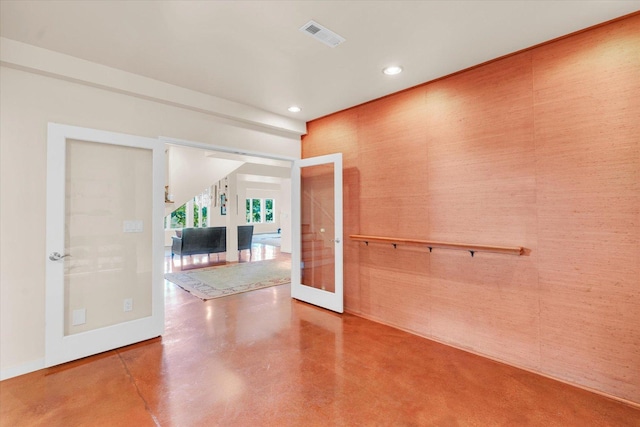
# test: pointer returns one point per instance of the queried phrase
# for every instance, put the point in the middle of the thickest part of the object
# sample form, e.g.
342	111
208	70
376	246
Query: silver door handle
335	240
56	256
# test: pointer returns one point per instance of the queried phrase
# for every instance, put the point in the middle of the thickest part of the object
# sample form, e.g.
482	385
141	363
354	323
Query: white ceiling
252	52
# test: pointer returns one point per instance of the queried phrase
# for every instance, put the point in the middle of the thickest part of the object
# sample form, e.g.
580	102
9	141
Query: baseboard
533	371
25	368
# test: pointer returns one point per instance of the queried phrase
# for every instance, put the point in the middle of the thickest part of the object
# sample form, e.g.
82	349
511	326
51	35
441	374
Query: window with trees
199	212
178	218
260	211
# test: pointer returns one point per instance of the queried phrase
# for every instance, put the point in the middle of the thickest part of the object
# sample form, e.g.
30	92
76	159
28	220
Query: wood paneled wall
540	149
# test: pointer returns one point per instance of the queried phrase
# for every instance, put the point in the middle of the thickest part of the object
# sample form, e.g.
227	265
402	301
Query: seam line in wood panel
537	207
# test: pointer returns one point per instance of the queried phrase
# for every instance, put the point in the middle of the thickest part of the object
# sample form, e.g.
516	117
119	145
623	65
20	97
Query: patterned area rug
216	282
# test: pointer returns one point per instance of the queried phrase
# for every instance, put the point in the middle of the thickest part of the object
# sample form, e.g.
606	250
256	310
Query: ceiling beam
46	62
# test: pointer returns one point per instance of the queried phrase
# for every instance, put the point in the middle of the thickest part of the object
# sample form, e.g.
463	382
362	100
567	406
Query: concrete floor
263	359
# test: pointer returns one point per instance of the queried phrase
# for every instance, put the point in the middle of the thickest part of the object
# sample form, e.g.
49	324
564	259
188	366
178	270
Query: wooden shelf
510	250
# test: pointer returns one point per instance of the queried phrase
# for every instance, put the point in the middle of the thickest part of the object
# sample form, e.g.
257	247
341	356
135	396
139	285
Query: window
201	208
199	214
256	210
178	218
259	211
268	210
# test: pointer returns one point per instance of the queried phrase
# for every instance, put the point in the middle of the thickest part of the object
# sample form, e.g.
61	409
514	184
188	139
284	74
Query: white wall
281	193
28	102
191	171
261	193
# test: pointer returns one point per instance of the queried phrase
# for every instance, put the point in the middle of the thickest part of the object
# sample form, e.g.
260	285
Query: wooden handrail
511	250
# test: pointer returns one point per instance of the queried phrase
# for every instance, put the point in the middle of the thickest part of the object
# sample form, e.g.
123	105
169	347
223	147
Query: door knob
56	256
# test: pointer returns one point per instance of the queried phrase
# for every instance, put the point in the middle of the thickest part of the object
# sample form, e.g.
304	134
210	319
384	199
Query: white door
316	268
104	248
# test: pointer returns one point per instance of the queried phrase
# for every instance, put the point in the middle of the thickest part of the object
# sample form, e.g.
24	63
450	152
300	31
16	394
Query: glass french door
104	282
317	270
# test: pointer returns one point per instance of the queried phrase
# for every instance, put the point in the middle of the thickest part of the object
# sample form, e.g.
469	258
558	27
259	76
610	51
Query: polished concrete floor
263	359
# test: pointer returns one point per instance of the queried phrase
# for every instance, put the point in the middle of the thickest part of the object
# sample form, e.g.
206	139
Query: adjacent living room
227	222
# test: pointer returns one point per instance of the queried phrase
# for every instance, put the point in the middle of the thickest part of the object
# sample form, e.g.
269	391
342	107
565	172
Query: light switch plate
132	226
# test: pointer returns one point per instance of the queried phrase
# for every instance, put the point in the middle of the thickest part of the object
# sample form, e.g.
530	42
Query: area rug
216	282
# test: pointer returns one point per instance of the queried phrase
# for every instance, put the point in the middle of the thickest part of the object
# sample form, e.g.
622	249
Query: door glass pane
108	235
317	227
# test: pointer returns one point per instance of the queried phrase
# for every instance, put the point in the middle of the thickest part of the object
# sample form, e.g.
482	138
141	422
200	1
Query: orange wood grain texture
587	126
482	189
541	150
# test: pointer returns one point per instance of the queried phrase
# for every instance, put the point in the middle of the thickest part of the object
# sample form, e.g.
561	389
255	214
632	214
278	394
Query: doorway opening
240	201
316	189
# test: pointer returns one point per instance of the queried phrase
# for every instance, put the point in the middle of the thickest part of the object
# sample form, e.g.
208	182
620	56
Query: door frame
58	347
333	301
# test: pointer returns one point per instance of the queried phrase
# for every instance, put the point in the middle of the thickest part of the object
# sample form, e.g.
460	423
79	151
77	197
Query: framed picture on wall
223	204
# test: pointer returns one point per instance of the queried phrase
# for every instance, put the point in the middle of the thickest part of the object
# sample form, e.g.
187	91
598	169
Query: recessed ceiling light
294	109
392	70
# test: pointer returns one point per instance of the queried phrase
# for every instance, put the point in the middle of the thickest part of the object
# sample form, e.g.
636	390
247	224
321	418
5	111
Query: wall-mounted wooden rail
430	244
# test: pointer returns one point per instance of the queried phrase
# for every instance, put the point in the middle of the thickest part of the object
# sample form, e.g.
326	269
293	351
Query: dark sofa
209	240
205	240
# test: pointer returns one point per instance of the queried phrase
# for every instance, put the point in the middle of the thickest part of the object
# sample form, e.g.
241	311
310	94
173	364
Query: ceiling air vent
322	34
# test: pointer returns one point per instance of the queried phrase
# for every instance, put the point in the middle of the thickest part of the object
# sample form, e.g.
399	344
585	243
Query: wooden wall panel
481	164
488	302
482	190
541	150
397	290
392	155
351	193
587	115
394	202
